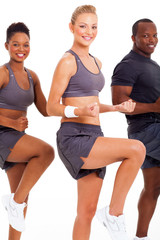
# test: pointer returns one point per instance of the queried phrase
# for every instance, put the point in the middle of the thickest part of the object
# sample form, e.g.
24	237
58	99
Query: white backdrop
52	205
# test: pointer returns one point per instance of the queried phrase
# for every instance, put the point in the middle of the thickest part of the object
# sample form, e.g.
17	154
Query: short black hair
16	27
135	25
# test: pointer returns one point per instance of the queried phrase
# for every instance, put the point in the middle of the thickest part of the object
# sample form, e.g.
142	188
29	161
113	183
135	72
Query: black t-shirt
143	74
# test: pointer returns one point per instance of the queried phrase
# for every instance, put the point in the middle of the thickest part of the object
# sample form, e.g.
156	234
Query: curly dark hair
14	28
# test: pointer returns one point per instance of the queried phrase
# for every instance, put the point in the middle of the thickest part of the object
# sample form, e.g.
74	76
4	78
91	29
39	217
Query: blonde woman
81	145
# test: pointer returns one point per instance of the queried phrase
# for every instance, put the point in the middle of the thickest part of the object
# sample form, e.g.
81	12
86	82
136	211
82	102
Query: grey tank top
84	82
13	96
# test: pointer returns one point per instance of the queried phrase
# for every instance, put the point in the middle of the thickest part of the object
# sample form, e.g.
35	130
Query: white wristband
69	112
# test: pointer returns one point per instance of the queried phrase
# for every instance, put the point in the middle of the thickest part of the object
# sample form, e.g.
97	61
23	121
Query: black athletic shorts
75	140
150	137
8	138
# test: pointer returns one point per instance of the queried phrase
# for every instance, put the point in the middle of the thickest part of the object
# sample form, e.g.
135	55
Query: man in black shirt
137	77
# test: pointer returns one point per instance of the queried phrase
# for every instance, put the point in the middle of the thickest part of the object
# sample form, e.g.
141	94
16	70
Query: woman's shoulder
67	59
3	71
67	63
33	75
4	75
31	72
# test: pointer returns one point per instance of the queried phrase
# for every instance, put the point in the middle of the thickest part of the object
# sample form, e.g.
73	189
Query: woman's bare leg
38	155
109	150
14	176
88	193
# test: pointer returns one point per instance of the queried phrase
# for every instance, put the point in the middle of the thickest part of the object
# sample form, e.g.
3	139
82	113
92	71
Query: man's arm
122	93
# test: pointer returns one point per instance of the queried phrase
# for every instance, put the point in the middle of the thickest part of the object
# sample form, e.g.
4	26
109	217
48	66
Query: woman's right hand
91	110
20	124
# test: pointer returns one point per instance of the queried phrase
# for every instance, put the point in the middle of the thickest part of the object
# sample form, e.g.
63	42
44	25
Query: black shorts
150	137
8	138
75	140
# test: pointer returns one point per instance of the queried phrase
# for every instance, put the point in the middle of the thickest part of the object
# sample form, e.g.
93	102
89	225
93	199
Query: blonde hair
82	9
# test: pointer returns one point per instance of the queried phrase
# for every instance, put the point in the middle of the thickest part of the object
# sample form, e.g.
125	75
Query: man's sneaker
15	212
115	225
142	238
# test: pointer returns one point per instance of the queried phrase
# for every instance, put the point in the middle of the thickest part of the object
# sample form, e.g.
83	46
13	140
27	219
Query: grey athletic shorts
150	137
75	140
8	138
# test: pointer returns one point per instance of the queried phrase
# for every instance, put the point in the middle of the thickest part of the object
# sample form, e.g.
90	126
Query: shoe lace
17	209
121	223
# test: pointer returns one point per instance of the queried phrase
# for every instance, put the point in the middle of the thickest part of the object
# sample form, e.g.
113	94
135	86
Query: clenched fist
91	110
20	124
127	106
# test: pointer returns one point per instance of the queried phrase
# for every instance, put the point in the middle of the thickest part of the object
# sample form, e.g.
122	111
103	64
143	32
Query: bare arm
125	107
40	100
60	80
122	93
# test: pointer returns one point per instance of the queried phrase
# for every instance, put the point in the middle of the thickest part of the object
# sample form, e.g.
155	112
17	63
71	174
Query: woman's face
18	47
85	29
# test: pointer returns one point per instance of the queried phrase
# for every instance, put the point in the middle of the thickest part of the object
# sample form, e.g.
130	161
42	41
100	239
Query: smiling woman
82	147
18	49
84	28
19	44
24	157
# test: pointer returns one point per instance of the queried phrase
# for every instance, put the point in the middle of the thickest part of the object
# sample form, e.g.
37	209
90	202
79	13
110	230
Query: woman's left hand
127	106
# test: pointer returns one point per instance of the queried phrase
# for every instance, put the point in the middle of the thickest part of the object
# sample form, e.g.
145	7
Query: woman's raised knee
139	151
47	152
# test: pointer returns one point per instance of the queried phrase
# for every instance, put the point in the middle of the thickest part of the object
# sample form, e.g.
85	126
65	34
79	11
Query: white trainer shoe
115	225
143	238
15	212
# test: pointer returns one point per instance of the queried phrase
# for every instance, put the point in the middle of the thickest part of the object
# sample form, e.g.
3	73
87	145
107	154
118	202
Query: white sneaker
15	212
115	225
143	238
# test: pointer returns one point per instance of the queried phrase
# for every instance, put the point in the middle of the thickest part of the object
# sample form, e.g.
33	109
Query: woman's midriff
12	114
81	102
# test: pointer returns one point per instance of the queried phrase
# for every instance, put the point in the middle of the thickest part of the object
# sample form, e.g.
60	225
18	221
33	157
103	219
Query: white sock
13	201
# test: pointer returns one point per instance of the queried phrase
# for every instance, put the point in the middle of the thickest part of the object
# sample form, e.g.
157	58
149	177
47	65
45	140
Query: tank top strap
73	53
79	60
29	75
95	61
11	74
9	69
